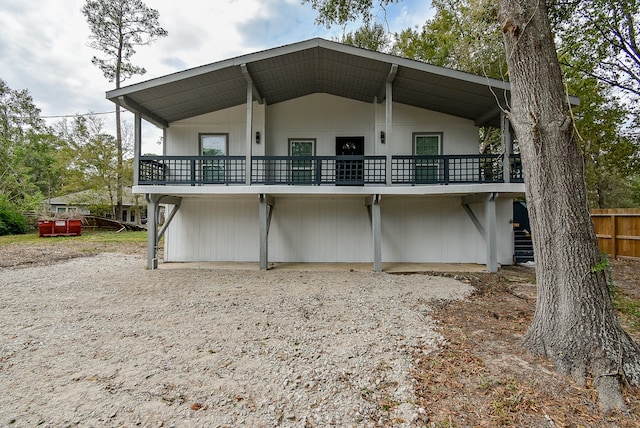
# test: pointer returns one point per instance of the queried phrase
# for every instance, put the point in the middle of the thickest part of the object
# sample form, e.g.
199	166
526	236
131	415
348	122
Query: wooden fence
618	231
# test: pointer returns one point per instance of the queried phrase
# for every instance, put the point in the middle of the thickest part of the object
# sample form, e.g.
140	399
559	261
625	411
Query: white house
322	152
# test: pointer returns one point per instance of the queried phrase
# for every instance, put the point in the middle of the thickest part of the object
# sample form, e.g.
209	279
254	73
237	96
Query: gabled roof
314	66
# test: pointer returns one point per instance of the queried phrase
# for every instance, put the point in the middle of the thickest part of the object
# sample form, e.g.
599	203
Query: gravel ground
100	341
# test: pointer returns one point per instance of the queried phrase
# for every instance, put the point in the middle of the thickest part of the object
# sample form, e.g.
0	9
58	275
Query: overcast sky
43	44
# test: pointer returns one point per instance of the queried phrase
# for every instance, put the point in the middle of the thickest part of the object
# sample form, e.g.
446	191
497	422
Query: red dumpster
66	227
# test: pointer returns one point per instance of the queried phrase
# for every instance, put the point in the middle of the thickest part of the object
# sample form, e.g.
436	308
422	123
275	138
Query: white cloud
43	47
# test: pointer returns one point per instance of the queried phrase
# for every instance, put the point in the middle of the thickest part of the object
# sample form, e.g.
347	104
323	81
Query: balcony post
137	147
507	147
249	131
389	119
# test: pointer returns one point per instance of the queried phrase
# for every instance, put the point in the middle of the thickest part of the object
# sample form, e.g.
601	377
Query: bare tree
117	27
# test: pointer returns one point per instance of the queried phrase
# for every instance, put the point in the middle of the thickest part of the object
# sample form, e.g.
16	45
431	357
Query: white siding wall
323	117
214	230
319	116
182	136
335	230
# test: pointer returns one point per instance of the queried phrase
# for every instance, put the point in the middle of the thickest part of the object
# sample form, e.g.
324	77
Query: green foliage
31	163
463	35
117	27
369	36
342	12
599	37
12	222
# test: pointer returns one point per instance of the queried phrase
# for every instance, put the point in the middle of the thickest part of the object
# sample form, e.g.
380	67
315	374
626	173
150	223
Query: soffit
314	66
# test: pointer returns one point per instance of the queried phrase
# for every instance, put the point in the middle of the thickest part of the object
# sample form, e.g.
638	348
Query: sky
44	46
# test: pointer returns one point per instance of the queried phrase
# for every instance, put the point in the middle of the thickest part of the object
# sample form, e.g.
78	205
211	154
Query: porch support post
266	209
373	205
489	230
152	231
507	146
137	147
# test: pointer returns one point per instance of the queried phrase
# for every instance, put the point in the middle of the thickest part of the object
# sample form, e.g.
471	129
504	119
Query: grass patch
88	235
628	309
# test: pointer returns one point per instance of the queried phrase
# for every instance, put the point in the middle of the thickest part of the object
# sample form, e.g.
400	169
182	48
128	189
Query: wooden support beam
152	231
153	214
489	230
373	206
491	233
134	107
256	92
267	203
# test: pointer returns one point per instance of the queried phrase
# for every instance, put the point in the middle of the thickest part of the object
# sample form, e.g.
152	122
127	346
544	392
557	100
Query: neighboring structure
92	202
322	152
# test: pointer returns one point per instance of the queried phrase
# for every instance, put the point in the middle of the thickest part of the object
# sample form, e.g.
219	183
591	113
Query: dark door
350	169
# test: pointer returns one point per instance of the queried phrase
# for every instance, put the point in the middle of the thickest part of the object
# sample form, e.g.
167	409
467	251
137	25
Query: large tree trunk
574	325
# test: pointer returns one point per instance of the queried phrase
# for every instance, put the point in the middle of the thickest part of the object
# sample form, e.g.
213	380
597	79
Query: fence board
618	231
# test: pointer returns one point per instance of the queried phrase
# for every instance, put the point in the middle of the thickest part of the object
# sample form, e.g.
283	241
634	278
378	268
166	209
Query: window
428	145
302	170
213	145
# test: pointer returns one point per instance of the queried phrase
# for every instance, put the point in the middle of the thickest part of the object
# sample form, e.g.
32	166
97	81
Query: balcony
328	170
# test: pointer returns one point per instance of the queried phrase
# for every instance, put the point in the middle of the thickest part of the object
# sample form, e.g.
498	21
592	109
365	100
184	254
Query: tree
95	162
574	325
606	43
463	35
369	36
31	167
117	27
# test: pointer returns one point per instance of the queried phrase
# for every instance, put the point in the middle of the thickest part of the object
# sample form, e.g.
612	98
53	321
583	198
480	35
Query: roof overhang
314	66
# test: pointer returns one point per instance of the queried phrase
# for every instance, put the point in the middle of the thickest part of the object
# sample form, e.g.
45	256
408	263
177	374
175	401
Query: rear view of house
321	152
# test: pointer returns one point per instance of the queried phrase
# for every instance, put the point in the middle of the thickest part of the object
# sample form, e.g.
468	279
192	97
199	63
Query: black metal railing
327	170
192	170
515	169
446	169
319	170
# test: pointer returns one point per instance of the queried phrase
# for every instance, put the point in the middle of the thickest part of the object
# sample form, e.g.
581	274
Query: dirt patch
482	376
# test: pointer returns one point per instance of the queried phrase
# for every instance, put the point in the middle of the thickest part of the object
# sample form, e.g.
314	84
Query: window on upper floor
428	145
213	170
302	170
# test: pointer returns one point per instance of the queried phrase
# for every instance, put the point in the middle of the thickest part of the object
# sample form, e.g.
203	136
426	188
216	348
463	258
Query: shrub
12	222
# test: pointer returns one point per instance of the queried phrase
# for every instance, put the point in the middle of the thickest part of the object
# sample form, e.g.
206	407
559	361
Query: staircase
523	248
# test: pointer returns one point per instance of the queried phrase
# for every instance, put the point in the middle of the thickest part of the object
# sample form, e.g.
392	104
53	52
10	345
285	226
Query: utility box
66	227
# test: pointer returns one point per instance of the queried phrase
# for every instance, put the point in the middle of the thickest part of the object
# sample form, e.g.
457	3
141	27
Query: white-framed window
302	170
427	144
213	145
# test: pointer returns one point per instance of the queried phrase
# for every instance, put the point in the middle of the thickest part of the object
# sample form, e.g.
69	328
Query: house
322	152
99	203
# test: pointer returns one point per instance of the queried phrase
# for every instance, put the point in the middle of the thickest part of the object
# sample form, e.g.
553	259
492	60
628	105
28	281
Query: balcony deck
348	171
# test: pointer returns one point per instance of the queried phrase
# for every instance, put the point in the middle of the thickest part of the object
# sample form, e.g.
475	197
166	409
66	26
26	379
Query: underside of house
322	152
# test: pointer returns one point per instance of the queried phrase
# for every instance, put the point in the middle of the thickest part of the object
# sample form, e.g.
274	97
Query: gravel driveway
100	341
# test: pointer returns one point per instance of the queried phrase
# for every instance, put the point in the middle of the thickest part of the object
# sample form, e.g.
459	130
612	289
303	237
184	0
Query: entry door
350	169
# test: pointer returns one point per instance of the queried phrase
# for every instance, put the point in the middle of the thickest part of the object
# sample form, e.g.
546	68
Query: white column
137	147
507	146
389	127
249	139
